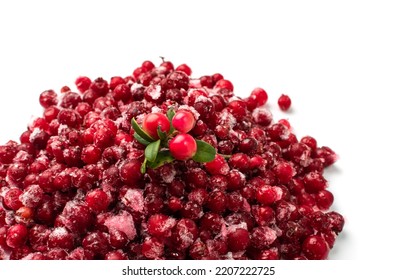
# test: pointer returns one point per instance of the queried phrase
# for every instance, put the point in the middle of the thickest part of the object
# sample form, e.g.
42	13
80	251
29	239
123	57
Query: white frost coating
202	98
58	232
166	225
261	111
122	222
154	92
269	235
246	206
278	191
61	128
191	109
29	197
156	109
136	86
133	198
227	119
169	176
195	83
233	228
34	134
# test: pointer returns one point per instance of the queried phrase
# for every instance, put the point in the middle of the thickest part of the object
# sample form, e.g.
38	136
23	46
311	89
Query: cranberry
222	83
152	248
183	121
314	182
258	97
60	238
97	200
48	98
315	248
238	240
160	225
284	171
130	171
239	161
284	102
324	199
96	242
12	199
153	121
16	236
183	146
184	68
184	233
83	83
218	166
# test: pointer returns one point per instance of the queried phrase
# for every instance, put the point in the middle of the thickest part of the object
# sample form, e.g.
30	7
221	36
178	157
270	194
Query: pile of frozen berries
159	165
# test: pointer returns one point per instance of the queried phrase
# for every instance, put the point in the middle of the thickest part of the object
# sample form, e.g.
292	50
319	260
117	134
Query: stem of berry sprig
166	139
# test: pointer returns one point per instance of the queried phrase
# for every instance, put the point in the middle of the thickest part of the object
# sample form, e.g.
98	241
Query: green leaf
140	139
162	135
205	152
143	167
151	150
170	114
140	131
163	157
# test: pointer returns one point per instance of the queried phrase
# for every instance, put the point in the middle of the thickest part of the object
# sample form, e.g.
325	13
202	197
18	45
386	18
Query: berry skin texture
315	248
152	121
183	146
183	121
284	102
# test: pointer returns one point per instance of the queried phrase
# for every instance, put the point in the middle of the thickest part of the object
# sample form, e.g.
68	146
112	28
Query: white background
335	59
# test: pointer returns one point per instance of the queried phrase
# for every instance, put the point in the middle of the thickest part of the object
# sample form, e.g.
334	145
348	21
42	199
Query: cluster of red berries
73	187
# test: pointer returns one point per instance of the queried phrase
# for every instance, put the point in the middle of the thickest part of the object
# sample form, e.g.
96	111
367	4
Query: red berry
284	102
183	121
183	146
315	248
153	121
184	68
83	83
238	240
226	84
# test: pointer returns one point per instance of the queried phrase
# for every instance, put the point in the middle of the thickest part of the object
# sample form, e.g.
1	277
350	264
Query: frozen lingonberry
97	200
129	171
258	97
324	199
183	146
315	247
48	98
83	83
218	166
152	248
154	121
238	240
284	171
60	238
12	199
160	225
16	236
284	102
183	121
184	68
222	83
314	182
184	233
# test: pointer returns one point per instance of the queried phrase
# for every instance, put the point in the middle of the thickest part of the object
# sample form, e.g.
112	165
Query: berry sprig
166	139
